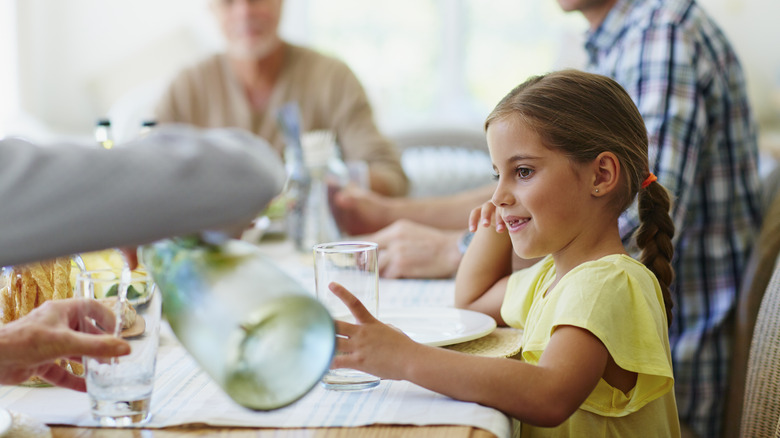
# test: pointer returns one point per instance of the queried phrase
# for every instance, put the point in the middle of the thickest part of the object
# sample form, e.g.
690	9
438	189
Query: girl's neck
593	246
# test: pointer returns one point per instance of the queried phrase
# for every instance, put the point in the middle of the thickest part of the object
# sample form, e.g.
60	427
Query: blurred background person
259	72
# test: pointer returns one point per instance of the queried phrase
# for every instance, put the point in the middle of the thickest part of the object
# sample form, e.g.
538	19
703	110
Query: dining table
186	401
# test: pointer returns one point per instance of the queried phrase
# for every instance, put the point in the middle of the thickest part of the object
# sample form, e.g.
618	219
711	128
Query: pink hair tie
650	178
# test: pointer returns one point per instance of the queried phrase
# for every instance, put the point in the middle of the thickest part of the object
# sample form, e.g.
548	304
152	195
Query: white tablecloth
184	394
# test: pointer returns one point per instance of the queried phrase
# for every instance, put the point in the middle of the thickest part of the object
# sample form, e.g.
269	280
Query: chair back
755	278
444	161
761	408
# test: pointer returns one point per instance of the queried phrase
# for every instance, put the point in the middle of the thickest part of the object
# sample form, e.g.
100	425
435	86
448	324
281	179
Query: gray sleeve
63	199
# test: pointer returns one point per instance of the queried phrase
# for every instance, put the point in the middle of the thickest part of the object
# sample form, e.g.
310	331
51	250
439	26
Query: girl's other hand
484	215
370	345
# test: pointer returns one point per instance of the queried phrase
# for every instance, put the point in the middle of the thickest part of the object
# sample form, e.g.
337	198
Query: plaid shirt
686	80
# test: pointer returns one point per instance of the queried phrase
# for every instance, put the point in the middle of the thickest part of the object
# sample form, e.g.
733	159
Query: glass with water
120	389
354	266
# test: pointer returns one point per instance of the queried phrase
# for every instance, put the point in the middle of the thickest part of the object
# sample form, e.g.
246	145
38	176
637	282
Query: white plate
6	422
438	326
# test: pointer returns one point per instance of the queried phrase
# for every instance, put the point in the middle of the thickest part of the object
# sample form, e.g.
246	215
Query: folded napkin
502	342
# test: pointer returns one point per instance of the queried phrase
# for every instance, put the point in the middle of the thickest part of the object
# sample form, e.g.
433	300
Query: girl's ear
606	173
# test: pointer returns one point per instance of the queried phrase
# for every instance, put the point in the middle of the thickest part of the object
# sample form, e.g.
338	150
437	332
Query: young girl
570	153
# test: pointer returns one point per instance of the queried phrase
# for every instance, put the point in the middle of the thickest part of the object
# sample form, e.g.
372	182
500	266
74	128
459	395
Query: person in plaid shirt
687	82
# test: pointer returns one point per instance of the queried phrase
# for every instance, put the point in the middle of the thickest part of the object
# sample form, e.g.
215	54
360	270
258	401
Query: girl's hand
484	215
370	345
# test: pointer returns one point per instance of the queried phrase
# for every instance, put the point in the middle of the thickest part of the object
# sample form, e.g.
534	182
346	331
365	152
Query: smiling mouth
514	223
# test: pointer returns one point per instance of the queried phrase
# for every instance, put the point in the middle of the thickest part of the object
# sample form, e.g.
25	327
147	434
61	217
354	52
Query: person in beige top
247	85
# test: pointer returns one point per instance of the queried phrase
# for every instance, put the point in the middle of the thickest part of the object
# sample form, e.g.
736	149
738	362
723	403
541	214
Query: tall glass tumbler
354	266
120	389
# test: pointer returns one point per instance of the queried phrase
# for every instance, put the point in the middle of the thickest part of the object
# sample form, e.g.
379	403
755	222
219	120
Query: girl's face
541	195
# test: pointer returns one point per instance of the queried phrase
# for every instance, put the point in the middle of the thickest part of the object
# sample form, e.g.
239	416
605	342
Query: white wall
77	57
752	27
8	78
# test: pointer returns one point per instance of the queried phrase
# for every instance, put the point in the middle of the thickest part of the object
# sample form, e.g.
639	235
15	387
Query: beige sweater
327	92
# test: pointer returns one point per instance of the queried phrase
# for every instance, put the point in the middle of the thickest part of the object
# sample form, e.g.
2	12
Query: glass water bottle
296	188
256	331
328	174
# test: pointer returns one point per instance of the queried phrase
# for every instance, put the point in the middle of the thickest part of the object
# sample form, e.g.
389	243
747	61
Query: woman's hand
370	345
31	344
484	215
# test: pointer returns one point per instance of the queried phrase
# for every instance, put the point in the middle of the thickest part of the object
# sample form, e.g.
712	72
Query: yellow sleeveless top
619	301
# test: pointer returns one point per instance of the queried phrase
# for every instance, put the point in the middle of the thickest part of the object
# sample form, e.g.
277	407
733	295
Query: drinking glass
354	266
120	388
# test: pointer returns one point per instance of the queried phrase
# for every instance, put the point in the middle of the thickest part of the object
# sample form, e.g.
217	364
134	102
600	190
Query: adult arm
363	212
360	138
64	199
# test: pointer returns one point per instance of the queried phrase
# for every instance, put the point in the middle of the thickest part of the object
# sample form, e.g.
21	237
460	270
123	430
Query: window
8	79
439	62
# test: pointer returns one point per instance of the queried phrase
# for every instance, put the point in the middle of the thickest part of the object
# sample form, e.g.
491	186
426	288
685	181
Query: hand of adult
31	344
410	250
360	211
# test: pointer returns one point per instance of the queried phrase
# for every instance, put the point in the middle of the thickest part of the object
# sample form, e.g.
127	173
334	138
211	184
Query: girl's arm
544	395
480	282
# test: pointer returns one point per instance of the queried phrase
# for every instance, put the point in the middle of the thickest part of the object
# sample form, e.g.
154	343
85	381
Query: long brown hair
582	115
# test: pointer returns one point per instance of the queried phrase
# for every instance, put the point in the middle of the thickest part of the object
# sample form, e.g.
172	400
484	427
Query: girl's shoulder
614	267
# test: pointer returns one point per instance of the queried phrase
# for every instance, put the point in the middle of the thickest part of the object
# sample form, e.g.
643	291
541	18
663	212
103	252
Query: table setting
184	395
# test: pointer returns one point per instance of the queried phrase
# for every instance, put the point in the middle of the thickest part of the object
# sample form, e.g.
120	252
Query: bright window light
9	104
440	62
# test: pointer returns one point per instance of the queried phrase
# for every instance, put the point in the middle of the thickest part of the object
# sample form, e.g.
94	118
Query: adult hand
410	250
369	345
484	215
360	211
31	344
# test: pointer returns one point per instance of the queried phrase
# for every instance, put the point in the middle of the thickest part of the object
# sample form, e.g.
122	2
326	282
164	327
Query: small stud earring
597	190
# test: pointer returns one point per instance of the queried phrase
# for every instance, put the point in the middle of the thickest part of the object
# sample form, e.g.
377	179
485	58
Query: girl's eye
524	172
